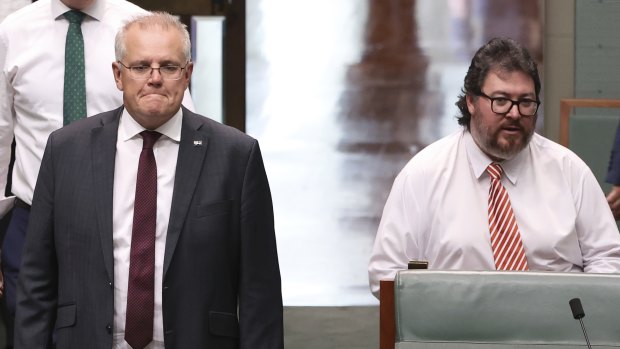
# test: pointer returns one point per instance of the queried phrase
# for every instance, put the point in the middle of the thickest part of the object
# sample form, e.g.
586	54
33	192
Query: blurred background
342	93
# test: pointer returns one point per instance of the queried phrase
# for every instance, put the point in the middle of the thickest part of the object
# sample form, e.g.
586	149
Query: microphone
578	314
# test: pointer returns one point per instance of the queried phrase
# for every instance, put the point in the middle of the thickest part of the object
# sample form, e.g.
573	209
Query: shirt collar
479	161
129	128
95	10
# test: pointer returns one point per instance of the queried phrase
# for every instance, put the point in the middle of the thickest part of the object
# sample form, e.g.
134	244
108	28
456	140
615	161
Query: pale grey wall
581	55
559	61
597	49
582	60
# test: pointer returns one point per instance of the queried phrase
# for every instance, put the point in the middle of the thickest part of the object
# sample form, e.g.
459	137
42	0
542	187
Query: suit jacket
613	170
221	279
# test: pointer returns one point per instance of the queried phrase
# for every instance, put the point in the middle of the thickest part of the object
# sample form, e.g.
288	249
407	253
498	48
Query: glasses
502	105
143	72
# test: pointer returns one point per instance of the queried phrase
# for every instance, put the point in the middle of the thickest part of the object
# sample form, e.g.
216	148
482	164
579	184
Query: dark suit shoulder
217	131
83	127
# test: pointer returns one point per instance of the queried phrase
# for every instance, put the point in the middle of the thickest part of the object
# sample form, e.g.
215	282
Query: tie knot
74	16
495	170
149	138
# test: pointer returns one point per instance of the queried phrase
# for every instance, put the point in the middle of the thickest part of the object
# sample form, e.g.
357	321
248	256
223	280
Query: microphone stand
585	334
578	314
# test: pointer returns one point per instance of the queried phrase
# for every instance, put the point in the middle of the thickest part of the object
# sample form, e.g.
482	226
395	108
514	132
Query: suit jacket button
108	328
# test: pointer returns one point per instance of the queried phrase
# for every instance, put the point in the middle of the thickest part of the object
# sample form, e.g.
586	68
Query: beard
497	144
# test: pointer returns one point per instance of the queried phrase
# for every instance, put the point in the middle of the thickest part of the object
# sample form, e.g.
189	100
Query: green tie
74	96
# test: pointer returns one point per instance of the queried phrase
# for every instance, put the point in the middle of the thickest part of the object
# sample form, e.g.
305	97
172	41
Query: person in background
495	195
9	6
54	68
151	226
613	176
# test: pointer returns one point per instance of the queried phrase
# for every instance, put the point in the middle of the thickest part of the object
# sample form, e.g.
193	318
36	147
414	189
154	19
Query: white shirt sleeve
596	228
395	244
6	116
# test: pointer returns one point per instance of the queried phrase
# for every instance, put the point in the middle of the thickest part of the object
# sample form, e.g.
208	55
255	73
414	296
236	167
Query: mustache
513	125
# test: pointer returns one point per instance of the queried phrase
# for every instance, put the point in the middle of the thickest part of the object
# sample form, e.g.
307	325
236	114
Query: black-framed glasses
143	72
502	105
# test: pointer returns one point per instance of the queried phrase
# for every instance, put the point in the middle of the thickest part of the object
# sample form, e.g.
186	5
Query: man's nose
155	75
513	112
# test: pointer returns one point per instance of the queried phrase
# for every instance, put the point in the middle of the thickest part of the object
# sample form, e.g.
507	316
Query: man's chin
153	105
507	150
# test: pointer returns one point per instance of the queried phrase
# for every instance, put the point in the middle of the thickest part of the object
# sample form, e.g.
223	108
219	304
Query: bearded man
495	195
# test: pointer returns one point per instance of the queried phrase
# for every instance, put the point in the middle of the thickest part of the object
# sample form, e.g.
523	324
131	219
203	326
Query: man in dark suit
613	176
100	236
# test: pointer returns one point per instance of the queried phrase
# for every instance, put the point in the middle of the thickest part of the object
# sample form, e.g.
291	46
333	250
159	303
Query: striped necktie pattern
508	251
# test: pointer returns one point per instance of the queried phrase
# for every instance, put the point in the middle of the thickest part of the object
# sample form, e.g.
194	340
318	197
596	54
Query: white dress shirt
437	211
9	6
128	149
32	58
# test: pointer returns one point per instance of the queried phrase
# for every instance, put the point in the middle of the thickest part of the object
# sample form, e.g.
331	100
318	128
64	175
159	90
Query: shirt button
108	328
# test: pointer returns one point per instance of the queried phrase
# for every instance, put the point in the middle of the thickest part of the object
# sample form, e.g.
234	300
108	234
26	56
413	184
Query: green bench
501	310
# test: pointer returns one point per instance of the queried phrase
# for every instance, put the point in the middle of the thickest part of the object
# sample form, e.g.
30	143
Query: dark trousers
7	321
11	259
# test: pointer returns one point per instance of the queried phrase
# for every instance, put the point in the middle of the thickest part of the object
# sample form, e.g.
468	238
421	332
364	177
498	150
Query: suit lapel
192	151
103	146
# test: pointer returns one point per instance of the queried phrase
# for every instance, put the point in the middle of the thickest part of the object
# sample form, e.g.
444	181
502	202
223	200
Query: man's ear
116	70
470	104
189	69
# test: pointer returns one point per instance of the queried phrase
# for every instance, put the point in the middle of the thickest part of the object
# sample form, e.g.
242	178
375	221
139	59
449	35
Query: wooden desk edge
387	326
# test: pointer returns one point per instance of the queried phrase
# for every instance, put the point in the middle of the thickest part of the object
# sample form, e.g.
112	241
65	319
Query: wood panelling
184	7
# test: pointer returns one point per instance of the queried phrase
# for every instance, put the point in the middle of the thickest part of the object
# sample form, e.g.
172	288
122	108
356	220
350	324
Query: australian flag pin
197	143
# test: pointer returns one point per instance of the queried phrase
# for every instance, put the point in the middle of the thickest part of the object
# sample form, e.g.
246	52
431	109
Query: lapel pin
197	143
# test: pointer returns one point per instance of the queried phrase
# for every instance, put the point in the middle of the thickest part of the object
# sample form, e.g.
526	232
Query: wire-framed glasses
144	72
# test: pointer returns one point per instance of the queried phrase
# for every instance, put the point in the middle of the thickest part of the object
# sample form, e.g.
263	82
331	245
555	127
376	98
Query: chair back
590	135
457	309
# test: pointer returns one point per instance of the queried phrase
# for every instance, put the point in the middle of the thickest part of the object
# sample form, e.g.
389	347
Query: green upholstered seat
591	138
457	309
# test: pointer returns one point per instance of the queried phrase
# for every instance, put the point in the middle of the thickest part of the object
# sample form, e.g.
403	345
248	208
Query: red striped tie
505	237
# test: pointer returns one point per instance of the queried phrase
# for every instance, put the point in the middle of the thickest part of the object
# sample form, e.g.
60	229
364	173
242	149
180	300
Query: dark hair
501	53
